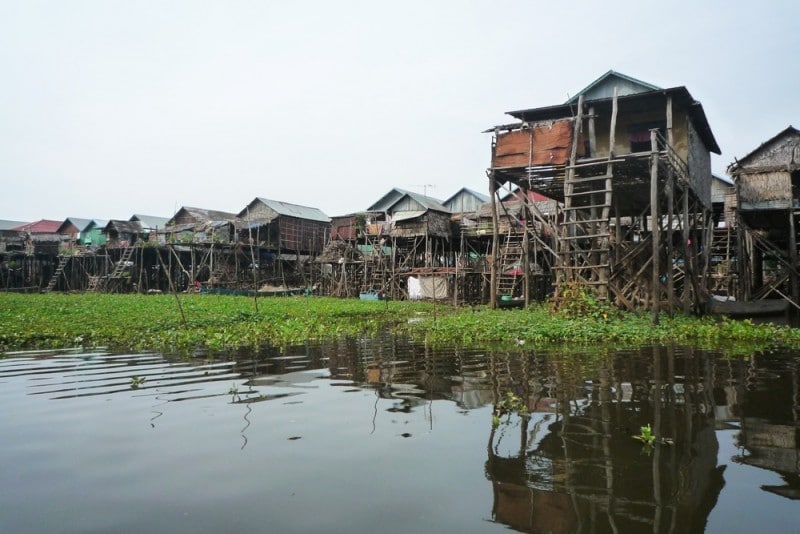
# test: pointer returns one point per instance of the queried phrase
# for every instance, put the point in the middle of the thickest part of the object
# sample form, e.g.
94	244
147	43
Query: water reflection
576	463
570	464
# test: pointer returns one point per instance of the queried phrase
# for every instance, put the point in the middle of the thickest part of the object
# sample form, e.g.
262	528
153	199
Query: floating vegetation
216	323
648	438
646	435
224	323
506	406
137	381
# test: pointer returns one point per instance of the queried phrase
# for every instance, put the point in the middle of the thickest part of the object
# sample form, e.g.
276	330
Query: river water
382	434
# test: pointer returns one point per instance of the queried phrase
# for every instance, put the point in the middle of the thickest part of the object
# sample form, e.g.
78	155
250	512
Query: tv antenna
424	188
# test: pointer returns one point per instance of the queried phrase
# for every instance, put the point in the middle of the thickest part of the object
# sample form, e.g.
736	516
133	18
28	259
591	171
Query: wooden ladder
584	245
99	283
119	268
511	261
62	263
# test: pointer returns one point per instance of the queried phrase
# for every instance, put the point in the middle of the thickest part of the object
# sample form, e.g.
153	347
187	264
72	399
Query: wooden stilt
654	226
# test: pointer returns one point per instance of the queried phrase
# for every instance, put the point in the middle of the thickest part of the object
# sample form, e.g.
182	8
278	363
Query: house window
639	135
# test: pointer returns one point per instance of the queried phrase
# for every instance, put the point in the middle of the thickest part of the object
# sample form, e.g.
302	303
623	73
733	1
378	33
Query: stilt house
629	165
72	229
420	233
283	240
199	225
768	191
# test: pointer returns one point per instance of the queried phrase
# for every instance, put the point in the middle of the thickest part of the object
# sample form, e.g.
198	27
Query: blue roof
394	196
634	85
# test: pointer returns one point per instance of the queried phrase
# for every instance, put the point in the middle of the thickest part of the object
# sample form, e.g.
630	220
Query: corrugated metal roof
8	225
641	101
605	78
150	222
42	226
80	224
393	197
294	210
406	215
479	196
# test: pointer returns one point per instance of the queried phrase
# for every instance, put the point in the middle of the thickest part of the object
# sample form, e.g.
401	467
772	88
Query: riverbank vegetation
162	322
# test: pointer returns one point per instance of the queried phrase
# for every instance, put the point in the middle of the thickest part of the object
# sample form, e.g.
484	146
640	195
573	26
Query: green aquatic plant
646	435
137	381
224	323
216	323
508	405
648	438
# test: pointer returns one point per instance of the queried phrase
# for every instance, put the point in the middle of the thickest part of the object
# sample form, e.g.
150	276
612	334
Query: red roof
42	226
533	196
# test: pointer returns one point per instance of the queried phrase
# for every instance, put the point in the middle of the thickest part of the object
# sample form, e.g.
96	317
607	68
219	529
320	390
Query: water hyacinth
217	323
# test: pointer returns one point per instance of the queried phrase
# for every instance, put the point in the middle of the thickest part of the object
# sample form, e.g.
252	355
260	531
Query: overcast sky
110	108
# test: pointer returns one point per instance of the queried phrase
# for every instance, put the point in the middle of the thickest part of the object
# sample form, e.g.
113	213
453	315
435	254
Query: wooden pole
526	280
687	251
793	255
671	212
670	242
570	216
654	226
495	230
495	238
670	138
605	257
172	286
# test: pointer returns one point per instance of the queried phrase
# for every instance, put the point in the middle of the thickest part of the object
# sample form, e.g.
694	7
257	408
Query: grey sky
109	108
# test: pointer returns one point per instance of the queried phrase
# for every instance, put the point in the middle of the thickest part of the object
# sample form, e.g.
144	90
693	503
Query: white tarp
428	287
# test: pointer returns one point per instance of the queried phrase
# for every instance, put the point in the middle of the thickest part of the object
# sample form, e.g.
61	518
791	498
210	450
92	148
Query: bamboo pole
173	288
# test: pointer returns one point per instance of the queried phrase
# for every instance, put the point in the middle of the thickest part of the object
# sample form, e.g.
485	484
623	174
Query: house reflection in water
574	462
764	402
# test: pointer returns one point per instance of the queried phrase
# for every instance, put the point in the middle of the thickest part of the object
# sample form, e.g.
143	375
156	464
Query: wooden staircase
723	270
62	264
120	266
100	283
